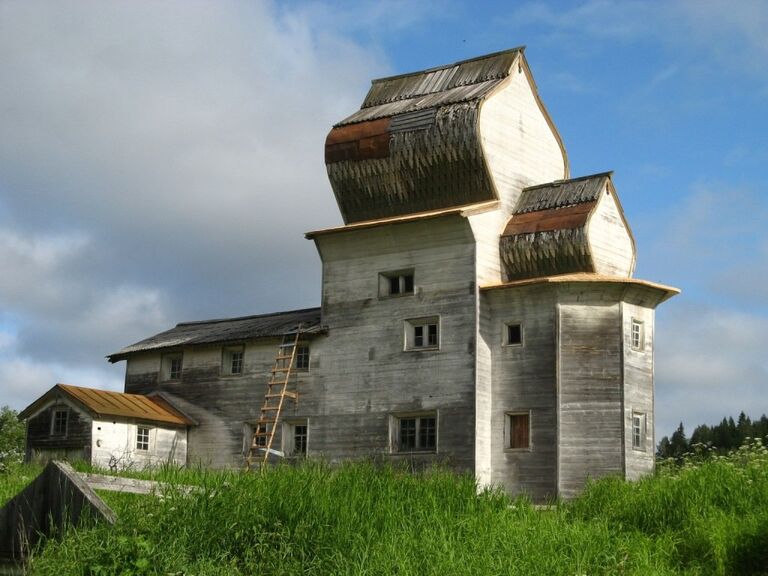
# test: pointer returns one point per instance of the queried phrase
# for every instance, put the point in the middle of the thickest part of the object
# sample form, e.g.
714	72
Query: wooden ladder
277	392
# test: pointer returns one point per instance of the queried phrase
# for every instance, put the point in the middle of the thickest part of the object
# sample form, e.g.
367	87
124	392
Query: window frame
143	441
166	367
637	344
303	367
228	359
55	421
509	417
639	431
506	335
395	432
406	282
413	329
289	438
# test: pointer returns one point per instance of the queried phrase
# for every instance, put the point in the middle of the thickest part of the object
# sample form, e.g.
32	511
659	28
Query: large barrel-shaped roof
414	145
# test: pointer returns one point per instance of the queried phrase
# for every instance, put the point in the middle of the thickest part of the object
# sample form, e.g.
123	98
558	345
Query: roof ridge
607	173
250	317
446	66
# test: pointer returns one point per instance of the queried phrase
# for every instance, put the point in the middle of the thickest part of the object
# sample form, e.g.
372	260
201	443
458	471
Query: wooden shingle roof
226	330
105	403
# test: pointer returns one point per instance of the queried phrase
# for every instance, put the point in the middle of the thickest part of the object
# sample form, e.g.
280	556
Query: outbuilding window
142	438
514	335
59	422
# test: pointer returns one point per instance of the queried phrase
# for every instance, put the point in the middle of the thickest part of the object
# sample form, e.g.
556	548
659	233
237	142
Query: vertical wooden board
520	147
590	388
523	381
638	390
613	252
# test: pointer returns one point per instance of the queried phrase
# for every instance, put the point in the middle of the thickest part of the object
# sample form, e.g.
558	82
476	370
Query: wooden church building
478	305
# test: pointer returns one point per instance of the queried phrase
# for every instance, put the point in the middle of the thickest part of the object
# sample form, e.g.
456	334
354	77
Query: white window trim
289	437
643	418
150	438
165	366
640	346
394	431
226	360
508	430
409	336
505	335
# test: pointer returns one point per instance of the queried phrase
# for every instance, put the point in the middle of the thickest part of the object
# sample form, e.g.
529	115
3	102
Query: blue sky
150	153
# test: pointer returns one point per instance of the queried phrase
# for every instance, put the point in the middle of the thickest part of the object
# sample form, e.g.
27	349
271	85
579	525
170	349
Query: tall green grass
705	517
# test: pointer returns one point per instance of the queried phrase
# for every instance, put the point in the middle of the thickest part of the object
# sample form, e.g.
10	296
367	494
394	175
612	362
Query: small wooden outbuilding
107	429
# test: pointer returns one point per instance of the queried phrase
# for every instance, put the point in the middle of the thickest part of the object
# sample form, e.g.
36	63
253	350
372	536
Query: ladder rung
287	345
286	369
287	394
266	421
268	408
284	357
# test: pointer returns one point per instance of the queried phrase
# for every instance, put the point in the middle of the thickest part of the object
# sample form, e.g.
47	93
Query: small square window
414	433
517	431
638	431
233	360
638	335
302	357
396	283
422	333
172	366
59	422
514	336
142	438
295	438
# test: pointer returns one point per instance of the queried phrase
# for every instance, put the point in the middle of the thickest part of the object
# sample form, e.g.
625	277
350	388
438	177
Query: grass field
708	515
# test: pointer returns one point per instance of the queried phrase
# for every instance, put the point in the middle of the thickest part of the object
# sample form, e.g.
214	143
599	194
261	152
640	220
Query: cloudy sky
159	162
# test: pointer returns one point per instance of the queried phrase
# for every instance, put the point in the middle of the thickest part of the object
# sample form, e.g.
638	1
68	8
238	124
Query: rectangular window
142	438
638	335
517	431
302	357
514	335
396	283
638	431
232	360
414	433
295	437
171	366
422	333
59	422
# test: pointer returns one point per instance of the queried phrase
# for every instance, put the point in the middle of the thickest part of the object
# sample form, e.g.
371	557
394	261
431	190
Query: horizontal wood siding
638	390
523	382
590	387
75	444
365	375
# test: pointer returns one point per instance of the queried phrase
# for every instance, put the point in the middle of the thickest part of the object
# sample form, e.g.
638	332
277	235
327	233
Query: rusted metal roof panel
562	193
546	220
226	330
407	86
105	403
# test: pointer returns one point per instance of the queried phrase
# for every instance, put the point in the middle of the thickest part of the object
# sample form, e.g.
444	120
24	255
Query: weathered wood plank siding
115	445
610	243
524	381
521	148
75	444
590	386
638	390
221	404
365	375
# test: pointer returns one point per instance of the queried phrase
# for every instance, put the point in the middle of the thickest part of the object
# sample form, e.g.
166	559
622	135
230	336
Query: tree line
728	435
